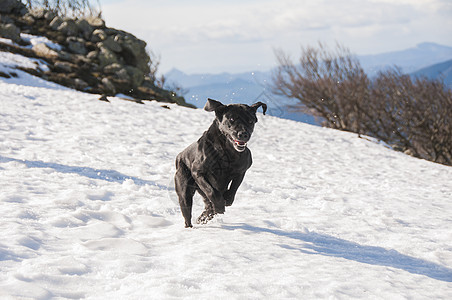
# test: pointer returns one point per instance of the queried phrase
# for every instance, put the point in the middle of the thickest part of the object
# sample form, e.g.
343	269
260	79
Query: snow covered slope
88	209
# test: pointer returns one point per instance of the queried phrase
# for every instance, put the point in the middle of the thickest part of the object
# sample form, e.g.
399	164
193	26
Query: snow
11	60
34	40
89	209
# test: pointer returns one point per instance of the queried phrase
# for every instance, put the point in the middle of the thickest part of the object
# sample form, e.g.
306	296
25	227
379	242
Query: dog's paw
205	217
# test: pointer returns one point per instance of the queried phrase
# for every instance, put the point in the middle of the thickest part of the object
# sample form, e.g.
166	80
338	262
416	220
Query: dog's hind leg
208	212
185	189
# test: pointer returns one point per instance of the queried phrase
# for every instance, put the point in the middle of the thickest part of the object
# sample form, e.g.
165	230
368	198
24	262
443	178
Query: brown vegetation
68	8
412	115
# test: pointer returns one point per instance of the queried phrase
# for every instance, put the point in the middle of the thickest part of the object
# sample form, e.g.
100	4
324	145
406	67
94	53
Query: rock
76	45
98	35
95	22
92	55
104	98
28	19
94	67
7	6
63	55
37	13
11	6
69	28
6	19
56	22
80	59
113	68
133	44
113	31
49	15
42	50
80	84
109	88
123	75
407	151
148	82
107	57
63	66
118	71
111	44
5	75
136	75
85	28
10	31
134	53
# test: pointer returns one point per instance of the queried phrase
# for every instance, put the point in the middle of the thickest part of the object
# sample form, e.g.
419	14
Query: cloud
237	26
254	20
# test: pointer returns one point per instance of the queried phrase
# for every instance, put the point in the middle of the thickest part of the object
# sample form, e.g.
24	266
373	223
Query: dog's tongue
240	143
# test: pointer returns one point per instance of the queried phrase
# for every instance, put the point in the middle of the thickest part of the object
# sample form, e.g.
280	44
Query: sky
201	36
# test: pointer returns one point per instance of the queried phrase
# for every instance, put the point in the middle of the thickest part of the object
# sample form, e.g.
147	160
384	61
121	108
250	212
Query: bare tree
74	8
421	114
412	115
330	83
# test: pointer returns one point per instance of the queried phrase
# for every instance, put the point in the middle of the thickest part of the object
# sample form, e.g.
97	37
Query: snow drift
89	210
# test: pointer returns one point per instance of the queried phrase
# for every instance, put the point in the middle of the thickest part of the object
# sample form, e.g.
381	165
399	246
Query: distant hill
189	80
429	58
441	71
247	88
409	60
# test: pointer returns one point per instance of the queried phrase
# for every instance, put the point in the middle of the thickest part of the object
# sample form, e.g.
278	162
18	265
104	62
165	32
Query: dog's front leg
207	214
229	195
211	193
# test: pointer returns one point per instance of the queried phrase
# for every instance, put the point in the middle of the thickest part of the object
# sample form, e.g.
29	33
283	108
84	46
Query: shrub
69	8
412	115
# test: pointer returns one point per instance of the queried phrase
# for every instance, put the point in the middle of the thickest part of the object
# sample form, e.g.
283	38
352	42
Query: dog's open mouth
239	145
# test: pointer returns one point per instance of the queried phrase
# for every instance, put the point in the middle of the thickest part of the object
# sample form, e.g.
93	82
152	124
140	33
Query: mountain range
409	60
426	59
441	70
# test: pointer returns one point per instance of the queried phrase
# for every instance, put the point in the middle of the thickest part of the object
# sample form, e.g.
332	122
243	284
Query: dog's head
235	121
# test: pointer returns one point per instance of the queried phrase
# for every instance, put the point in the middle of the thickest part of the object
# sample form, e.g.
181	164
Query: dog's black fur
216	164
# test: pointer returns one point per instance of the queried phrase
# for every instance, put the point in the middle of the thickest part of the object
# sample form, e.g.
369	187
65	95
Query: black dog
216	164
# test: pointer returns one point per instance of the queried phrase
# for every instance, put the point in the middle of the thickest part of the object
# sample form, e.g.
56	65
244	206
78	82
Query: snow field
89	209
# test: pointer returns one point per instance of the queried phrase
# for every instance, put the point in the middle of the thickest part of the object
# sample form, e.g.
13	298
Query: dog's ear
255	106
212	105
217	106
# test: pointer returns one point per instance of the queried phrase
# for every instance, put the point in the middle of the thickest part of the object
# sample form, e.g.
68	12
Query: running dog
215	165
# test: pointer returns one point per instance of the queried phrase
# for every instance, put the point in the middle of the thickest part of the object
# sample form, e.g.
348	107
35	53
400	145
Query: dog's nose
243	135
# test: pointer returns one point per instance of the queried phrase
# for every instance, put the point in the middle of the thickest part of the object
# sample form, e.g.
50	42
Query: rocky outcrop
84	53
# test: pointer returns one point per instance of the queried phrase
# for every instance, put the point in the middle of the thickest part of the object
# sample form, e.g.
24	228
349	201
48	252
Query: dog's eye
231	119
